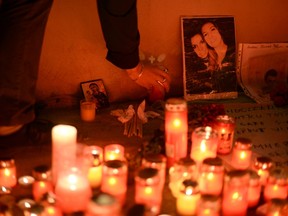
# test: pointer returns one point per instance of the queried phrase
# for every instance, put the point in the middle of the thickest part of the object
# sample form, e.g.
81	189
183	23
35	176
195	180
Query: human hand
155	79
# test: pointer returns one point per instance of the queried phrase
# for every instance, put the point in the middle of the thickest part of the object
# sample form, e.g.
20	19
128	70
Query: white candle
64	139
73	191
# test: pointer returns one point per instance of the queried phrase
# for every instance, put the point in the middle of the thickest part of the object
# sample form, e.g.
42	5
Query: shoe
8	130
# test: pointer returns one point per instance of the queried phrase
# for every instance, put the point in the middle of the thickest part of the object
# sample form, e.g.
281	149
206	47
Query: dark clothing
22	27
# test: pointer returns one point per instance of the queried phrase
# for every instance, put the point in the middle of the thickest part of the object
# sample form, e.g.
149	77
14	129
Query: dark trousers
22	27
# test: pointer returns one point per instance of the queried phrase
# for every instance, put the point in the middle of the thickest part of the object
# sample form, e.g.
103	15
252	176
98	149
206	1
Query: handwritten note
266	126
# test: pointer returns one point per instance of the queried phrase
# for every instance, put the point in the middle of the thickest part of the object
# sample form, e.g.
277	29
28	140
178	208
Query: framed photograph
94	90
209	57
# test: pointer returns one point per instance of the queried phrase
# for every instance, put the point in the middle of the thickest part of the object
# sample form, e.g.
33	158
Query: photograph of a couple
209	57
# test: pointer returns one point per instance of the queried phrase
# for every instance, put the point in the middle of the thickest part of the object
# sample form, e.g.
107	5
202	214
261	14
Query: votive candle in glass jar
103	204
114	179
64	147
242	153
148	190
235	193
225	126
157	161
254	190
176	129
72	190
209	205
263	165
211	176
95	155
8	174
114	152
204	144
43	182
183	169
276	186
188	199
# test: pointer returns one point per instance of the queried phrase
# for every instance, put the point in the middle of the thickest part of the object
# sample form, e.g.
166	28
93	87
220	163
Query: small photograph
94	90
209	57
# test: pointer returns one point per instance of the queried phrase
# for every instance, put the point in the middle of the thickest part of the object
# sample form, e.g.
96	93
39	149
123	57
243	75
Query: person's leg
22	27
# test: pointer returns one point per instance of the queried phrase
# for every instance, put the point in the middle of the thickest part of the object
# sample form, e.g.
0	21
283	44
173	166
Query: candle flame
112	181
7	172
275	187
203	146
210	176
148	190
235	196
242	155
50	210
177	123
42	184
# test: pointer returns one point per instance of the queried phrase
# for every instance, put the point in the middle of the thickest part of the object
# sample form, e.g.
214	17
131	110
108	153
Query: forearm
120	30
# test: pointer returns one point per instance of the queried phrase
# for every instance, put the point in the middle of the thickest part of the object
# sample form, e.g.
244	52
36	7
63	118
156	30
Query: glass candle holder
188	199
225	126
95	155
263	165
43	182
176	129
211	176
183	169
148	190
73	190
8	174
254	190
158	162
50	205
114	179
103	204
209	205
235	193
87	110
276	186
204	144
114	152
63	137
242	153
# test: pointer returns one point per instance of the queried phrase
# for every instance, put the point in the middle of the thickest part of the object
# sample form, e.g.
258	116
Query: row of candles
197	181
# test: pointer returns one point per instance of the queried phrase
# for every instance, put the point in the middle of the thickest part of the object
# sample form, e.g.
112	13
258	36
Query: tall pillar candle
176	129
64	139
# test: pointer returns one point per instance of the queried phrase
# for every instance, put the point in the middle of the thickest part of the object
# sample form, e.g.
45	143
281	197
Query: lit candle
183	169
103	204
114	179
188	199
7	173
72	190
148	190
158	162
262	166
242	153
87	110
211	176
63	149
26	181
204	144
25	204
254	190
95	154
176	129
225	127
42	183
235	194
276	186
209	205
114	152
52	210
